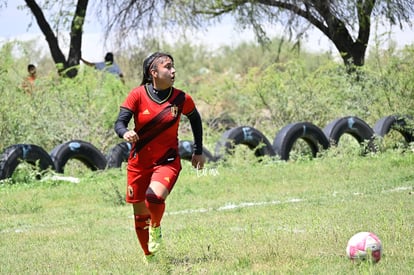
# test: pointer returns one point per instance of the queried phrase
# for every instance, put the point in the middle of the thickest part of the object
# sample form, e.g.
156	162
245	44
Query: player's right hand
131	136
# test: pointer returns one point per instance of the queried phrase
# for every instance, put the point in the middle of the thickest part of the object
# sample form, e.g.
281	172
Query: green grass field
238	217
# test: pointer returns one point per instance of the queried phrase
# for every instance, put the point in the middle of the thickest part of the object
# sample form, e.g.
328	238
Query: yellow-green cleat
149	258
155	239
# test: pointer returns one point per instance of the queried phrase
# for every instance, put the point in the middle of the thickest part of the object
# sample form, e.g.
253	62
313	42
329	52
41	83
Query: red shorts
138	179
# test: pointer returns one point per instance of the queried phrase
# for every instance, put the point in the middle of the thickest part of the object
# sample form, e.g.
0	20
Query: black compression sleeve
121	123
197	127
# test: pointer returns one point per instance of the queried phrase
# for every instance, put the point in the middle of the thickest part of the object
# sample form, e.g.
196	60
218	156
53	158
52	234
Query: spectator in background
29	81
108	65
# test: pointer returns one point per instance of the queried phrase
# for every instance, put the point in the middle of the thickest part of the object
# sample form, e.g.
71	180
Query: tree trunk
352	53
64	67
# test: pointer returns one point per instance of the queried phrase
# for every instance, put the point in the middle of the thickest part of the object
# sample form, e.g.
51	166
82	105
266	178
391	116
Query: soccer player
154	163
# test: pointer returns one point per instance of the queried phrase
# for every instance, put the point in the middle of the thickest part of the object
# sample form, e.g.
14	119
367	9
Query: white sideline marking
230	206
63	178
398	189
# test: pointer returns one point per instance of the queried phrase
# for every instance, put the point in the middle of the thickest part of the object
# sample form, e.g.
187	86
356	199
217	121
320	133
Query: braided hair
149	65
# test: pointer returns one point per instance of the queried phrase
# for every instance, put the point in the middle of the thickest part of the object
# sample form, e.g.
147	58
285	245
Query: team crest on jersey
174	110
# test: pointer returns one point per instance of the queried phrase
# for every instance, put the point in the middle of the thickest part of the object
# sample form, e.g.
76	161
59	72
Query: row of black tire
314	137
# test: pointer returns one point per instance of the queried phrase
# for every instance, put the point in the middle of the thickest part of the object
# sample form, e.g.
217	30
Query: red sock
141	228
156	206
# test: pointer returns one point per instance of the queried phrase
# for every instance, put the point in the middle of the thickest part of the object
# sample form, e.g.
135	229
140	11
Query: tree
346	23
66	67
62	17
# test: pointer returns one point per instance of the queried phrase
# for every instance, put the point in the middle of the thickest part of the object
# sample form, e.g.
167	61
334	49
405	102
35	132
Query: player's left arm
198	159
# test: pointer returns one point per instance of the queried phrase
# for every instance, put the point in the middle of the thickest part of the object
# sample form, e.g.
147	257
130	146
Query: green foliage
262	87
62	109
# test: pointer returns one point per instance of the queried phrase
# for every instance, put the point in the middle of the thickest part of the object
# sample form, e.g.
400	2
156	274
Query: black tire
13	155
352	125
394	122
289	134
185	150
118	154
245	135
80	150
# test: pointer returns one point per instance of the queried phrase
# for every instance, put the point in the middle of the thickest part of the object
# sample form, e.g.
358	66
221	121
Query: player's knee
153	198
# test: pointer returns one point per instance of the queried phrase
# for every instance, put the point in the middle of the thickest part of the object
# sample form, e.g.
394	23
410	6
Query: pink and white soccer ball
364	246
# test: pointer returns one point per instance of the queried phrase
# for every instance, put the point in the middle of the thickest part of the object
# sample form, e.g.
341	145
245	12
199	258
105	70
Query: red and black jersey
156	121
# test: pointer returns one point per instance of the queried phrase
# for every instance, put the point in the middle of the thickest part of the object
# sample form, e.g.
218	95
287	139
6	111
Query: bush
265	88
61	109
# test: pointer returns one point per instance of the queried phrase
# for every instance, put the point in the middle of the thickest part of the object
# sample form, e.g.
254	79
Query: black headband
148	63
